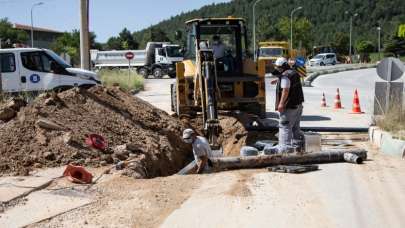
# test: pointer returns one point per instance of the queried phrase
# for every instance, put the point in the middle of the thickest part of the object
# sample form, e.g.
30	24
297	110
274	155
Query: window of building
7	62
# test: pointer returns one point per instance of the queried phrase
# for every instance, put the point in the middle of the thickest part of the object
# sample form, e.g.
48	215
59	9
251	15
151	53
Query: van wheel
322	64
157	73
143	72
333	63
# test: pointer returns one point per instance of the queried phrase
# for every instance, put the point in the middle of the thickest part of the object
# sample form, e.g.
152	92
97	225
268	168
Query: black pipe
314	129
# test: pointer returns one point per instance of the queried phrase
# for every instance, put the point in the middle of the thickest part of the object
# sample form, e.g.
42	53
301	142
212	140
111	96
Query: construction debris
78	174
51	134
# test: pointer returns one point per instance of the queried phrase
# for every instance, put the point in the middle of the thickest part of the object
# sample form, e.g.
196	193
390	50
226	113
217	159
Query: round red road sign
129	55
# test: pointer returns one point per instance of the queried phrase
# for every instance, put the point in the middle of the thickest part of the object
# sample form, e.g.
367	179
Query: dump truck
207	84
157	59
271	50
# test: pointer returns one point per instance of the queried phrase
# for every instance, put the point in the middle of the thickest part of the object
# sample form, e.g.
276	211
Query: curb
386	143
310	78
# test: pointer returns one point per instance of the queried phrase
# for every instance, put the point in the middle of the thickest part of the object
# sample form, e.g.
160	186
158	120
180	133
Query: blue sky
107	17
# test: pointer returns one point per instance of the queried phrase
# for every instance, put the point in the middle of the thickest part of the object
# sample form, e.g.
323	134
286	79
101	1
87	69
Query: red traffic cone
356	104
338	103
323	102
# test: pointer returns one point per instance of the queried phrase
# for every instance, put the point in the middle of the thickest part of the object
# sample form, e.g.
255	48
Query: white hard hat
280	61
187	133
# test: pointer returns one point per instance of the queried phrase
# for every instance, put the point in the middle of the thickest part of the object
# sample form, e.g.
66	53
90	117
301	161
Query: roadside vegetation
394	122
133	82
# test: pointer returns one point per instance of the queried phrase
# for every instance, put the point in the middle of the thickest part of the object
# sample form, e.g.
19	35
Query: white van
33	69
323	59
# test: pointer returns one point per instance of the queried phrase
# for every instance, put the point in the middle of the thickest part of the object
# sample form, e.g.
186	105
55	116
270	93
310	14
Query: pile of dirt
51	131
233	132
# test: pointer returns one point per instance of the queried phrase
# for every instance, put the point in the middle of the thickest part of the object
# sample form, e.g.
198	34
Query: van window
37	61
7	62
330	56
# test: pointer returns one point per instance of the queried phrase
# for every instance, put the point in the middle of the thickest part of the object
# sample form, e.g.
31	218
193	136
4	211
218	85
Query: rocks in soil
10	109
49	125
49	156
6	114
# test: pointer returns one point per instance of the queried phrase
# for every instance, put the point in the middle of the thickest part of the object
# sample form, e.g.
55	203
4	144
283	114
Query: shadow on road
314	118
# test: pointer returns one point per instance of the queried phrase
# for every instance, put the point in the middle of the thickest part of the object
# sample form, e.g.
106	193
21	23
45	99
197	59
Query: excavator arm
208	92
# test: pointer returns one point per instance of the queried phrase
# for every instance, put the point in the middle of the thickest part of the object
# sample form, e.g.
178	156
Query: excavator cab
218	73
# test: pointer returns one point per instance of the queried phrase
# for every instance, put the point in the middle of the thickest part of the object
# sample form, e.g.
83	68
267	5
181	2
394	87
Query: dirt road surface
338	195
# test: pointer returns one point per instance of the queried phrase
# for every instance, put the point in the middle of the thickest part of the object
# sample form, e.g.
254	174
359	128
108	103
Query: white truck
158	59
33	69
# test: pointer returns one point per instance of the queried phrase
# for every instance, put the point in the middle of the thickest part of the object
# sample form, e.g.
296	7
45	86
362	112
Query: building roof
37	29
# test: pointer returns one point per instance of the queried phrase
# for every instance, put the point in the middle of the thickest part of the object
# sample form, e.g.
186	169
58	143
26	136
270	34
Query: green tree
364	48
395	46
10	35
114	43
69	43
341	43
302	31
401	31
127	40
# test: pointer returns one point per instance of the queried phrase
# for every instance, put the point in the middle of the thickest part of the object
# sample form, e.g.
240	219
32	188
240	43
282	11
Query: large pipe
326	156
315	129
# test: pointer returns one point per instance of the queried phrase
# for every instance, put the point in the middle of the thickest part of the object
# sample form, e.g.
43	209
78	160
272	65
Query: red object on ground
78	174
338	103
356	104
96	141
323	102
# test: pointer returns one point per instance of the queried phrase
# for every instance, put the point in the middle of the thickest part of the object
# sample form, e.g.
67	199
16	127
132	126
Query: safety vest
295	95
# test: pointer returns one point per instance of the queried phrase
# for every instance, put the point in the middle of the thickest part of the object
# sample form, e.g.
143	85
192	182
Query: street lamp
32	22
254	28
351	26
379	42
291	22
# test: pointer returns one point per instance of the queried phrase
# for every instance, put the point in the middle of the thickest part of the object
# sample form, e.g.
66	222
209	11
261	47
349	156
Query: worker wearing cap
201	149
289	99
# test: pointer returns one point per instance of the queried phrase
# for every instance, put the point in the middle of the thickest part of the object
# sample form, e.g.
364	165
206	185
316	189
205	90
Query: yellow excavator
207	82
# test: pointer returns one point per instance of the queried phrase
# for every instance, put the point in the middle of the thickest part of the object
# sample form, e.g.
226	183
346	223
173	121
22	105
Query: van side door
37	71
10	80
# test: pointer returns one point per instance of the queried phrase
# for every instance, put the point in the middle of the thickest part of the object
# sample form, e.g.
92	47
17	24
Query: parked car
34	69
323	59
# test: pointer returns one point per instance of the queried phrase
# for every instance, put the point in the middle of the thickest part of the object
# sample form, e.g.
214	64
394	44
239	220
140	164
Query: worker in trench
289	99
201	150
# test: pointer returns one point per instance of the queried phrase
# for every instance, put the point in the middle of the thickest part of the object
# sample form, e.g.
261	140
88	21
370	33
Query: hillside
327	16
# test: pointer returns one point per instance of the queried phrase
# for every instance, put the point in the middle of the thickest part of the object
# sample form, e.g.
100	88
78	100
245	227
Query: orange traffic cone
356	104
338	103
77	174
323	102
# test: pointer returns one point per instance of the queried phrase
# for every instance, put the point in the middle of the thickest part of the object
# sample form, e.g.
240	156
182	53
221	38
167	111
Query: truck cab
33	69
165	59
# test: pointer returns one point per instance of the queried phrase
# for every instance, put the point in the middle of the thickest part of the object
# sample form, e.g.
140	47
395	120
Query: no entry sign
129	55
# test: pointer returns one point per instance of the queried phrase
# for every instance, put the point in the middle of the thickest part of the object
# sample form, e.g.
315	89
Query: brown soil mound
234	134
145	137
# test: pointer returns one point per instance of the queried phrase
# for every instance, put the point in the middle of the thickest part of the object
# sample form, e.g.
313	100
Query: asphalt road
157	92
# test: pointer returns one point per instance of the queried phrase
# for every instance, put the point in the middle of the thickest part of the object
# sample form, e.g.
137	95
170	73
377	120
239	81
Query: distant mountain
327	16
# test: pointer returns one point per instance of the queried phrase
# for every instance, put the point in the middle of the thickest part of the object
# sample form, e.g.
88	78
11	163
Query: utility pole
254	28
32	22
84	35
351	28
291	26
379	42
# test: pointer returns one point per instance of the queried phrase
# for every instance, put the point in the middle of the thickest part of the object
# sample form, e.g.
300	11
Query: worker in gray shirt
289	99
201	149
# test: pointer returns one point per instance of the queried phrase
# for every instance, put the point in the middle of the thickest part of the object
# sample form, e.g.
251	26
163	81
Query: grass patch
120	77
394	122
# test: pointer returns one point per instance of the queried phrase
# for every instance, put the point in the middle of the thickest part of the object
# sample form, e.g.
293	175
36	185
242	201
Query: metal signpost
389	69
129	55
